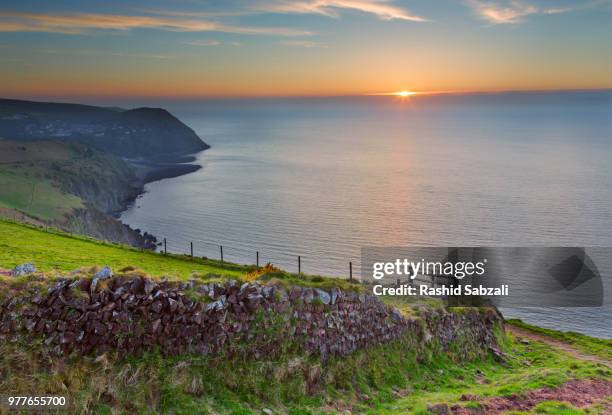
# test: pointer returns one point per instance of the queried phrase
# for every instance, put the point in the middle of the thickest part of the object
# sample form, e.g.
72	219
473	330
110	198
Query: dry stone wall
130	315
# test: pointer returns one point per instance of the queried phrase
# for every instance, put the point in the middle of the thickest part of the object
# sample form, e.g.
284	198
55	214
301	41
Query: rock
155	325
156	307
438	409
218	305
149	286
308	296
104	273
23	269
172	304
323	296
253	300
334	296
267	411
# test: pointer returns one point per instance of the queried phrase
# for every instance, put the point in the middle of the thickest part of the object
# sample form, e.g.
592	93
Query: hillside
137	133
212	338
70	186
55	251
76	166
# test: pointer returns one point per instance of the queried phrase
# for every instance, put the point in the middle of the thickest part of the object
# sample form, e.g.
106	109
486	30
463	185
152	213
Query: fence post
165	247
299	264
257	259
350	271
221	249
191	249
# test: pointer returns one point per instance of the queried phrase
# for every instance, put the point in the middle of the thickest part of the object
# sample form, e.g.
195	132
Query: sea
320	178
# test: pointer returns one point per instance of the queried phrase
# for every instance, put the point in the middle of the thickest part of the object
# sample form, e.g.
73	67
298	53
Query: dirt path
579	393
526	334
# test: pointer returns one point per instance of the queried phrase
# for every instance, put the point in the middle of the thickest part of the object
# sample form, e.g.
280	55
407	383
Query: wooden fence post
191	249
350	271
221	249
299	264
257	259
165	247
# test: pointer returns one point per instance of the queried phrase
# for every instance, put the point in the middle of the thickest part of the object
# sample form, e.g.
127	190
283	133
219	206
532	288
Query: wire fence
289	262
257	257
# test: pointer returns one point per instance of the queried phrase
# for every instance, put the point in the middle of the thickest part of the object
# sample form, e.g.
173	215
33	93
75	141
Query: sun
404	93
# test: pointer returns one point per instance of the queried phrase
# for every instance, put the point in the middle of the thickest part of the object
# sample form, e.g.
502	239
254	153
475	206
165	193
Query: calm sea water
321	178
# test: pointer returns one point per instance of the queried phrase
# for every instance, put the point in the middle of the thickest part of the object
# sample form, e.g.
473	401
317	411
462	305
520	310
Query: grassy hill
406	376
55	251
41	199
62	176
23	187
70	186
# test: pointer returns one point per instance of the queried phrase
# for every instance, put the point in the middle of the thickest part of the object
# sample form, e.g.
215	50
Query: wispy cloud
303	44
79	23
206	42
210	42
383	9
510	11
107	53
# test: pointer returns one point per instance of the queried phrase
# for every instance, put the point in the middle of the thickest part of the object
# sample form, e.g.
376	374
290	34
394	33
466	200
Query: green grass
529	367
57	251
557	408
54	251
402	377
34	196
589	345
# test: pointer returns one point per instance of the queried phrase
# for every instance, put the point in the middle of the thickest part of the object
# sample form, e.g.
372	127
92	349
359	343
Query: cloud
383	9
303	43
206	42
106	53
511	11
210	42
79	23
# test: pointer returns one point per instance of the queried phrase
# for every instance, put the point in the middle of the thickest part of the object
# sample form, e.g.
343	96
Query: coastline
149	171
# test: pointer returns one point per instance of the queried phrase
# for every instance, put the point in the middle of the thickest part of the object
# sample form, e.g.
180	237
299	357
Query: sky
66	49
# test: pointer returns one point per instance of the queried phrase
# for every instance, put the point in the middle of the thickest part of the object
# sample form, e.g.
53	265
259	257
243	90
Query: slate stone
23	269
104	273
323	296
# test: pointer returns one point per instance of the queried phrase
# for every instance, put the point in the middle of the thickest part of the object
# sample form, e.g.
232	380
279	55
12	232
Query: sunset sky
197	48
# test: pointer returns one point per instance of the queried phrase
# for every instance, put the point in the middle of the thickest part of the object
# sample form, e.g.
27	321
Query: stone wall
132	314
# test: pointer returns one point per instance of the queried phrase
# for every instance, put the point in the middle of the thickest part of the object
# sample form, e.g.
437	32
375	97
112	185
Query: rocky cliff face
131	315
98	225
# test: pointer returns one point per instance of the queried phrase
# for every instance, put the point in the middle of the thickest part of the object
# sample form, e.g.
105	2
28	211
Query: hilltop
143	133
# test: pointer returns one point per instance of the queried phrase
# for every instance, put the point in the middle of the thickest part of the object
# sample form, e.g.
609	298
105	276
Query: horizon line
413	93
